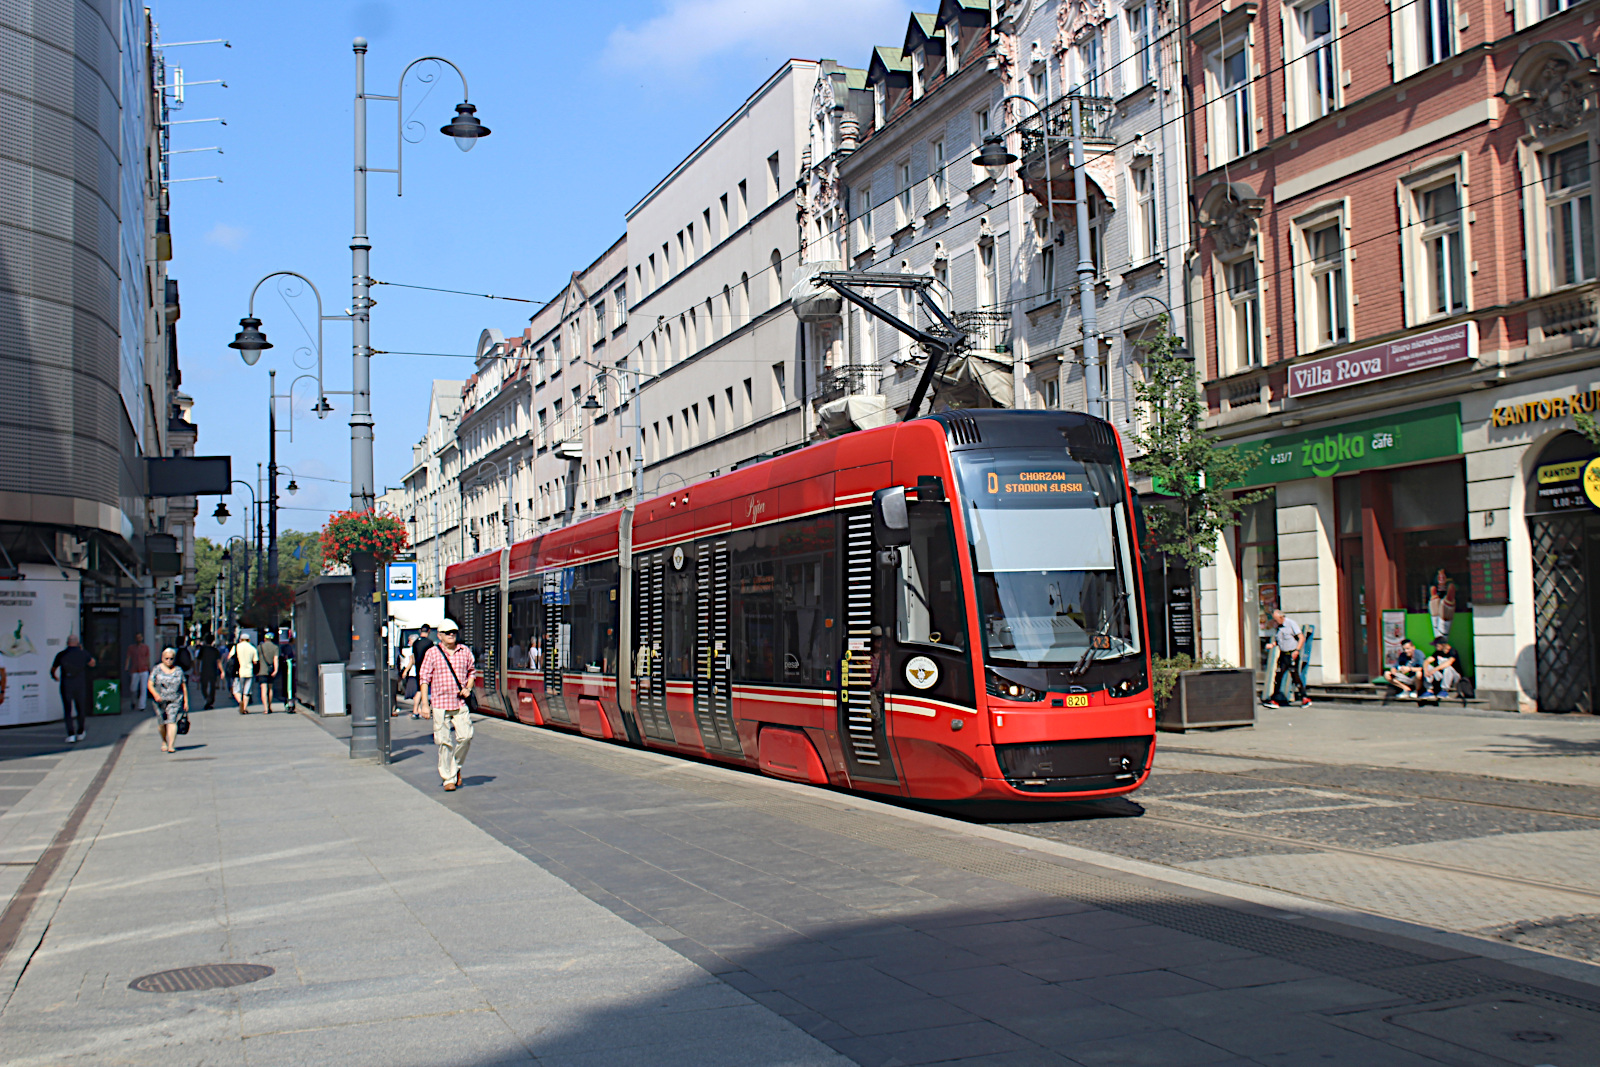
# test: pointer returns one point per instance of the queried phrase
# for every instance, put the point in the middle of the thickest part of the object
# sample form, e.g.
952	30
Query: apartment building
712	250
890	187
1396	280
431	504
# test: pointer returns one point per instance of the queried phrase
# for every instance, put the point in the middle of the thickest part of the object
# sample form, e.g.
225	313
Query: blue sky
590	103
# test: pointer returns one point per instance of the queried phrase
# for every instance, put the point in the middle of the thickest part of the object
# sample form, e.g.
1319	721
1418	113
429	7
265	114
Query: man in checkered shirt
443	683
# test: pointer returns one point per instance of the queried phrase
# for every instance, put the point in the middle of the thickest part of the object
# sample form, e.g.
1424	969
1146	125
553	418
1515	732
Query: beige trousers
452	755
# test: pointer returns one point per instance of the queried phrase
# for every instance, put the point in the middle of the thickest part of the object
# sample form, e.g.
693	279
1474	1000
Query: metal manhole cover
205	976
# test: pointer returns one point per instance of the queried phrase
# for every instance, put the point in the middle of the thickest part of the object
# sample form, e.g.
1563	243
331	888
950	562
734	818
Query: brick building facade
1397	242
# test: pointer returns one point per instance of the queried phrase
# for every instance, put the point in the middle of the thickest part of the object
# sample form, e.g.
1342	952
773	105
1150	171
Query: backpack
185	658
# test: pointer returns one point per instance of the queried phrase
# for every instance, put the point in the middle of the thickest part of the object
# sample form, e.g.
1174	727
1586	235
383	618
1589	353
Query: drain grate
205	976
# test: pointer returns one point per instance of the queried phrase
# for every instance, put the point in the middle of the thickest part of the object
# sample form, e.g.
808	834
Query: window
1047	271
980	122
929	607
1139	69
1229	117
1443	260
1569	214
1555	7
880	103
863	208
619	297
988	292
1039	86
902	203
689	249
774	178
683	250
1242	310
1050	395
775	279
722	206
705	231
1424	34
600	324
1310	72
780	382
655	279
1097	231
1143	234
952	47
936	183
666	261
1324	303
916	75
744	204
1089	64
744	298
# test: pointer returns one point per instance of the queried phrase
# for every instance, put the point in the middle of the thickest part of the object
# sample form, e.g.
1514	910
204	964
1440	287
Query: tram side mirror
891	522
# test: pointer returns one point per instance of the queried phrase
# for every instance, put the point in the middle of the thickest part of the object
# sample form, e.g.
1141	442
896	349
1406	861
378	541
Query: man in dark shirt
210	670
419	649
1443	668
71	669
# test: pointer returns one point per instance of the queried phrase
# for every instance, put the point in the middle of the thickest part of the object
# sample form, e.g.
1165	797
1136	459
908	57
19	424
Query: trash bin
107	696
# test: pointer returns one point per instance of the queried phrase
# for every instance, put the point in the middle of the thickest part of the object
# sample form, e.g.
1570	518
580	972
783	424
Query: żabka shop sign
1409	437
1449	345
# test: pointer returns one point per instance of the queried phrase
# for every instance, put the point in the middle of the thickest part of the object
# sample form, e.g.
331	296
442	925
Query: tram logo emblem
922	672
756	509
677	558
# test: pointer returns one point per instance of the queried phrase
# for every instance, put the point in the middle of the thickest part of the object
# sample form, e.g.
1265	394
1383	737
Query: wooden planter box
1207	698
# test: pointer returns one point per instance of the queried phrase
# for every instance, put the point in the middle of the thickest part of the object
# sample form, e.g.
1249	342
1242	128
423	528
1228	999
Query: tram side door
713	674
650	672
863	723
556	641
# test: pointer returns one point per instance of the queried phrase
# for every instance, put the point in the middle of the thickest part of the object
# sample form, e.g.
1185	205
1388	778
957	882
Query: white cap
448	626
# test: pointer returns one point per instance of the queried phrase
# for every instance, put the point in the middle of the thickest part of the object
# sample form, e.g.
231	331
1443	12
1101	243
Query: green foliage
1184	460
1587	426
294	571
209	567
1167	669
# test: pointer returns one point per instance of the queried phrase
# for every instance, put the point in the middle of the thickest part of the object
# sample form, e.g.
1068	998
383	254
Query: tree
1184	461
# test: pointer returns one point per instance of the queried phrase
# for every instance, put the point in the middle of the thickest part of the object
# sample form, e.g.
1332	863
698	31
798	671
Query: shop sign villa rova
1449	345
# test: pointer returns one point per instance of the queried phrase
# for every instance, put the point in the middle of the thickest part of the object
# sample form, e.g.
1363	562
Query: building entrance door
1356	645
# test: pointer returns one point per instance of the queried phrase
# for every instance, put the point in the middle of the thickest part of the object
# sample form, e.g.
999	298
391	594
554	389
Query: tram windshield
1050	540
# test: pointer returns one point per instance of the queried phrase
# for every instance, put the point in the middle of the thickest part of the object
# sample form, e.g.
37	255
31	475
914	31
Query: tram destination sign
1449	345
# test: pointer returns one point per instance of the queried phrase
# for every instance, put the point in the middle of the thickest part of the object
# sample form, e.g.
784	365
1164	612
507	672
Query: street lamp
465	129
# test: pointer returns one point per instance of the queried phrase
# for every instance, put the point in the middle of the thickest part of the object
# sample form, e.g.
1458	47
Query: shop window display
1258	577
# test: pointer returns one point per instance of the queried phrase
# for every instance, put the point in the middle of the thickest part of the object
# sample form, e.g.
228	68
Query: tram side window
782	602
807	600
928	603
594	617
752	607
678	616
523	652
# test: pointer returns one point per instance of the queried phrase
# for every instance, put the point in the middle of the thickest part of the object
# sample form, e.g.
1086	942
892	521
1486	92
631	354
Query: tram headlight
1006	689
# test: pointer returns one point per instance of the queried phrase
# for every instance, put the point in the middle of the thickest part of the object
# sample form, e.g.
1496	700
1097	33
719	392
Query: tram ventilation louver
963	430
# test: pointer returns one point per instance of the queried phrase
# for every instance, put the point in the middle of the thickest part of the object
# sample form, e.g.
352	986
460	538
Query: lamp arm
400	114
321	318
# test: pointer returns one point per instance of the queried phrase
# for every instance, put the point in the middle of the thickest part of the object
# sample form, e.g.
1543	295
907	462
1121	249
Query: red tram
949	608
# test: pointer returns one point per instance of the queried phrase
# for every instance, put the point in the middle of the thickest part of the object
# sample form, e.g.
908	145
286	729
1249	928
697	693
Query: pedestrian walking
268	653
448	671
171	696
1291	641
419	652
136	663
245	661
210	666
71	669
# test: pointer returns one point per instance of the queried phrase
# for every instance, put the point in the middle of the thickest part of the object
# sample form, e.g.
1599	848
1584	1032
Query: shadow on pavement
1534	746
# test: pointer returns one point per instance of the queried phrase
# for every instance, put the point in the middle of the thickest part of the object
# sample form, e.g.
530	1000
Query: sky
589	104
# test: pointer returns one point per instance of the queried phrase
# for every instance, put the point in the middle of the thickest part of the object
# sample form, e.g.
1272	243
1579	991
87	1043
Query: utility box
321	634
330	689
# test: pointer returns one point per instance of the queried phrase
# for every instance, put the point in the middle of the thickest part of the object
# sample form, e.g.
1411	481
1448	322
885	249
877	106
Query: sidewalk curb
1288	906
75	835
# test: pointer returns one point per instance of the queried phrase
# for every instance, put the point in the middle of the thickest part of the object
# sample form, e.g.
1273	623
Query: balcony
1055	122
987	330
835	382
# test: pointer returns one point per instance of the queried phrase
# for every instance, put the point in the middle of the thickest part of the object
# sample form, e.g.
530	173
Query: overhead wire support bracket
939	345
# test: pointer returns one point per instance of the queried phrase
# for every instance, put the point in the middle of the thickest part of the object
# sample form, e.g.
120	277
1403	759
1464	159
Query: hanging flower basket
273	599
349	532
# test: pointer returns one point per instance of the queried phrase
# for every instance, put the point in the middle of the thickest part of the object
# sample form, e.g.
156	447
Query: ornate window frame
1417	231
1309	274
1230	213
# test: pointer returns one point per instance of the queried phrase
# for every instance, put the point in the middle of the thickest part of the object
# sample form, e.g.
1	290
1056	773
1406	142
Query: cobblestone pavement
1515	860
912	937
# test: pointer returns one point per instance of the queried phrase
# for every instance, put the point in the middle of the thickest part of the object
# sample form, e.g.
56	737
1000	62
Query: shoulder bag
472	697
183	722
